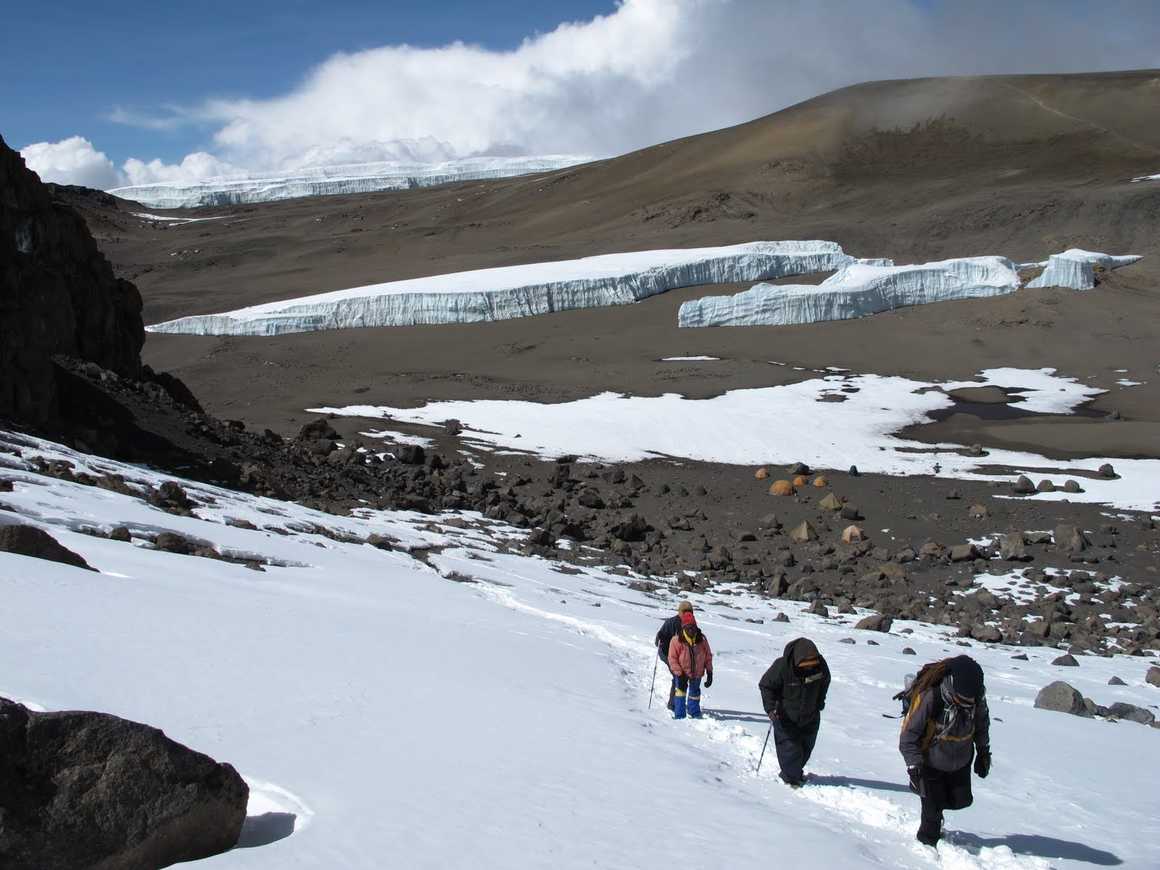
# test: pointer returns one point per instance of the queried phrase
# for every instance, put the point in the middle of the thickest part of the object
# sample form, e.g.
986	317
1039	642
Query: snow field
791	423
504	722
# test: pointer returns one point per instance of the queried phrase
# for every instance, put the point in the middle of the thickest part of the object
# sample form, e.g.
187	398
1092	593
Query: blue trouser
687	698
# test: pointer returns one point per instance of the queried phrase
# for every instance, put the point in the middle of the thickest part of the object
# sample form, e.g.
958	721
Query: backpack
948	721
928	676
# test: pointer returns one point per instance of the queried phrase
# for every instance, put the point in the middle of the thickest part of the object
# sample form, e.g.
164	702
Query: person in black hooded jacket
793	692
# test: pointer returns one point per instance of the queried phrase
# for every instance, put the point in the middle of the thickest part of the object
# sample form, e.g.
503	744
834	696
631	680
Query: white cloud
649	71
193	167
71	161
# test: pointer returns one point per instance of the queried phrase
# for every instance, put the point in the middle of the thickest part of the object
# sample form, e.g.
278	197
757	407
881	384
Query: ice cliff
333	180
520	291
854	291
1076	269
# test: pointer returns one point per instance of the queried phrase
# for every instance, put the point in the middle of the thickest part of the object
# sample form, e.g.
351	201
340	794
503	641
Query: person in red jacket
690	659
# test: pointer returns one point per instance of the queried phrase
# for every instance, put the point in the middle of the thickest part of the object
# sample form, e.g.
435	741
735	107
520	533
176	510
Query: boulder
1045	485
761	473
817	608
875	622
821	482
92	790
963	553
318	430
1107	471
781	487
1012	548
1116	681
39	544
1072	486
1070	539
1066	661
850	512
854	472
1153	677
171	542
781	617
411	454
986	633
908	651
1061	698
1132	713
800	481
798	468
803	532
632	529
1023	486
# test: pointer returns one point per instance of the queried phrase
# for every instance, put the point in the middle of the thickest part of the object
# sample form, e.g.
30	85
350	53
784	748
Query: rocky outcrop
90	790
31	541
58	297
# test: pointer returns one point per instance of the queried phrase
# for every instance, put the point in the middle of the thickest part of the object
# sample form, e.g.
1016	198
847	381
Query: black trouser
942	790
794	744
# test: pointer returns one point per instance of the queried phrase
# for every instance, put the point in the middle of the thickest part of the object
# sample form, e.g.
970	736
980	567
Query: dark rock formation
31	541
58	297
80	789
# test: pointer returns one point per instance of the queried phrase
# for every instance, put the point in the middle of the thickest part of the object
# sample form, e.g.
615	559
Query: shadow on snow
1033	844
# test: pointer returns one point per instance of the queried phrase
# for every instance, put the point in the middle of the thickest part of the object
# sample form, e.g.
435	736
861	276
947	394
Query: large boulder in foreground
90	790
39	544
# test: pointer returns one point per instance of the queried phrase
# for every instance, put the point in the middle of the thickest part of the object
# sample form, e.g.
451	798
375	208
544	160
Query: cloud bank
71	161
649	71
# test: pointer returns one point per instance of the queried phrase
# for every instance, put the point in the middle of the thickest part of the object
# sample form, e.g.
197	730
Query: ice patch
177	220
337	180
520	291
1075	268
691	359
1125	382
855	291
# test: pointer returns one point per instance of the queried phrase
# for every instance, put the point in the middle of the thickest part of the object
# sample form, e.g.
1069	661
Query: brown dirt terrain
1021	165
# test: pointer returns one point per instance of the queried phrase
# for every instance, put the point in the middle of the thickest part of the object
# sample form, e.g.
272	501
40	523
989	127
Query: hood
797	651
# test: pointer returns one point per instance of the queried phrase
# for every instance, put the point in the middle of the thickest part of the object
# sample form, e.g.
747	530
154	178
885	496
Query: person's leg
694	699
679	697
933	801
809	736
789	753
672	690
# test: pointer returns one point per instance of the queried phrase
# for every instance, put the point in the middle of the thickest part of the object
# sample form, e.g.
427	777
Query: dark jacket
669	629
942	735
795	685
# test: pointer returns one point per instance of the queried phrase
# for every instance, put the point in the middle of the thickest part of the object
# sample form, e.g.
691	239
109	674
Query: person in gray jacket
946	726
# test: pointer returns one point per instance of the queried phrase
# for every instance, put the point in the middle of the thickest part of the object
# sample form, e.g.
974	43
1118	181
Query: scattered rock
1066	661
798	469
854	472
817	608
1045	485
781	617
1132	713
39	544
1023	486
122	534
781	488
1070	539
875	622
986	633
978	511
800	481
821	482
963	553
1061	698
171	542
761	473
1012	548
99	791
1072	486
411	454
1116	681
1019	657
849	640
1107	471
907	651
1153	677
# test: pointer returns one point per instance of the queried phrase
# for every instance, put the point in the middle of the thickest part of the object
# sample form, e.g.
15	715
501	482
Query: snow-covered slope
332	180
855	291
1075	268
828	422
520	291
502	720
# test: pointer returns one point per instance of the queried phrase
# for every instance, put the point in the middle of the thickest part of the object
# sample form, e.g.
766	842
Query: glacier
508	292
1075	268
337	180
855	290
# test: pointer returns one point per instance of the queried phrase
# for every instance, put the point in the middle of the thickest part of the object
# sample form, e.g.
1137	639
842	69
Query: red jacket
690	660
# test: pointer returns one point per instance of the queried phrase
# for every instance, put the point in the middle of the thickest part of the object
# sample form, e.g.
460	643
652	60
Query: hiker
793	692
669	629
946	721
690	659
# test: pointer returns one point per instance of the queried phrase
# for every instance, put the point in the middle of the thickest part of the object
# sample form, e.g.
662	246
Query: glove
774	716
983	763
708	679
915	774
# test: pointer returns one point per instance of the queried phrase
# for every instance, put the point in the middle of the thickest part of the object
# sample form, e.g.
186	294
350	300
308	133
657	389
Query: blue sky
65	65
249	86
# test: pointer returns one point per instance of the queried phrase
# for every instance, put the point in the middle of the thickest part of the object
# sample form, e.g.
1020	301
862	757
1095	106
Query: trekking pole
763	746
652	688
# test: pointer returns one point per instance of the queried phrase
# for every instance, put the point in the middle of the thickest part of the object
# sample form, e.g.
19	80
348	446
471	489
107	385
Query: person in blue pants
668	631
690	660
